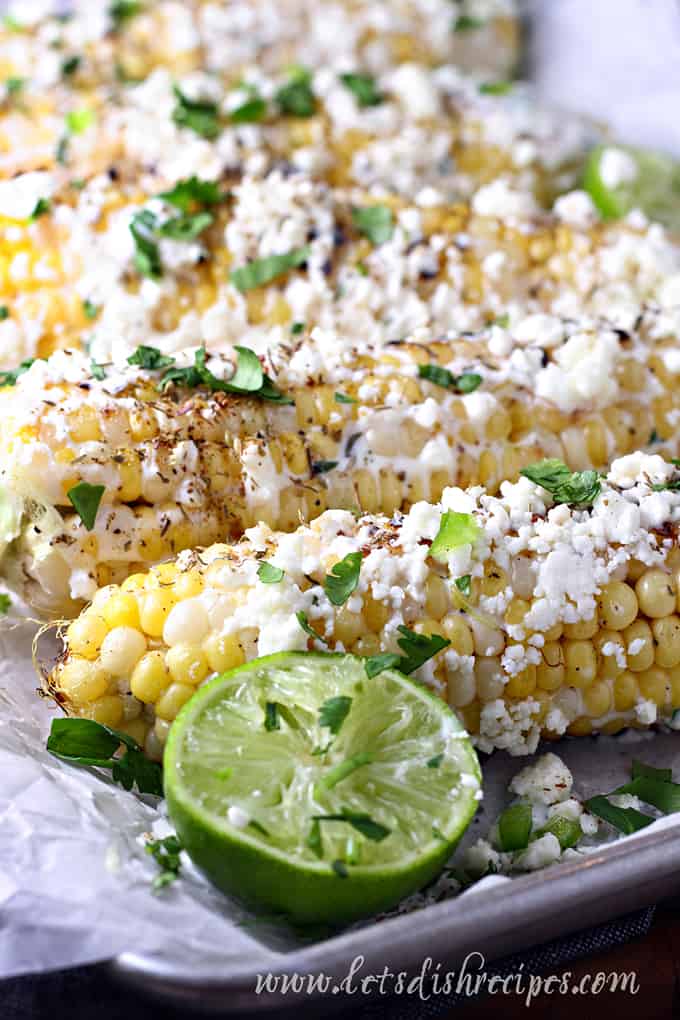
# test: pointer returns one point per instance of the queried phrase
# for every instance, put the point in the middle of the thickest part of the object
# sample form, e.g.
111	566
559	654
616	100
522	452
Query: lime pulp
301	786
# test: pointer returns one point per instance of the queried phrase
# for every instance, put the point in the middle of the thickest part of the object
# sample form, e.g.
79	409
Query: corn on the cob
557	618
447	268
376	429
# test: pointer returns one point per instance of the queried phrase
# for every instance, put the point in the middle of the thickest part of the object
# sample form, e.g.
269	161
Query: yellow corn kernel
170	702
189	584
655	592
187	663
583	630
223	652
495	581
85	635
121	649
150	542
618	605
436	597
580	663
666	633
135	582
551	673
430	627
161	728
516	611
163	574
489	679
521	685
460	688
82	681
655	686
611	652
674	681
129	478
155	607
150	677
470	714
121	609
84	425
597	699
375	614
107	710
626	691
135	728
457	631
580	728
368	644
639	645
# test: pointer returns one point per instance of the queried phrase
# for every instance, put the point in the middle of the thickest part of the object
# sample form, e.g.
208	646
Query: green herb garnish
10	376
375	222
41	208
4	313
465	23
192	193
199	115
269	574
122	10
85	500
147	258
166	854
71	65
261	271
78	121
578	488
301	618
296	97
86	742
364	88
271	716
334	711
468	382
464	585
5	603
495	88
150	358
250	112
343	398
98	371
360	821
417	648
343	579
90	310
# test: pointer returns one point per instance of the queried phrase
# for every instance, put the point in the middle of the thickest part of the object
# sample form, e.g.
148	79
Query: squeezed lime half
302	787
620	178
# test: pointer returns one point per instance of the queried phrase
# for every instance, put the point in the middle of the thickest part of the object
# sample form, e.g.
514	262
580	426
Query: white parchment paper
75	883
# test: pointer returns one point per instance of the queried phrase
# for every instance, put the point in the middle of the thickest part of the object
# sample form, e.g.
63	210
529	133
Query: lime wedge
619	178
301	786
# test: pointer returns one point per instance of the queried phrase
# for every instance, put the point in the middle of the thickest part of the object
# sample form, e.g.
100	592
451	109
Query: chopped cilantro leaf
464	585
343	578
10	376
360	821
166	854
122	10
86	742
363	87
85	499
343	398
578	488
78	121
296	97
495	88
71	65
269	574
271	716
468	382
4	313
375	222
5	603
150	358
147	258
435	761
192	193
41	208
98	371
250	112
334	711
90	310
322	467
301	618
466	23
186	227
261	271
199	115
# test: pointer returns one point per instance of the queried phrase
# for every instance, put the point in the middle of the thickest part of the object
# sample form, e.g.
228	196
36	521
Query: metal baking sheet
504	917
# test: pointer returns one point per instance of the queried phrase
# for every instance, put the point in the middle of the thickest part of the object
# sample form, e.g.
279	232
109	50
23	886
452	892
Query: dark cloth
90	993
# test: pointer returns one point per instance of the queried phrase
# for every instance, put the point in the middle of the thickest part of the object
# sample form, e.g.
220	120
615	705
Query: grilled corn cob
538	617
371	428
285	251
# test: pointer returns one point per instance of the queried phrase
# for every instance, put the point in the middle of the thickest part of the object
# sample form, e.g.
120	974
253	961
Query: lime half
619	178
301	786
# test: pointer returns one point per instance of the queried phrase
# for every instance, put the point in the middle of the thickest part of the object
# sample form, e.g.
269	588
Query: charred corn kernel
170	702
107	710
121	610
223	652
121	649
655	592
155	609
82	681
626	691
580	663
187	663
85	635
150	677
655	686
666	632
639	645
